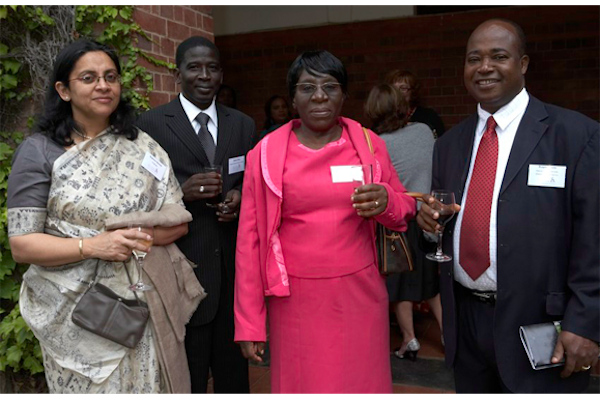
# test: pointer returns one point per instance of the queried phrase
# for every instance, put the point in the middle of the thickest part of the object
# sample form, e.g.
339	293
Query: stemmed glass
444	205
139	255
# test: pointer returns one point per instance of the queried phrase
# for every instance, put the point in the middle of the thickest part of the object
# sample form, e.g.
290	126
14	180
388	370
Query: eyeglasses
308	89
87	79
404	88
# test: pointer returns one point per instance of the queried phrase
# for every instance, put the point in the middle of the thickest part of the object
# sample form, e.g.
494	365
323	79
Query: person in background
83	166
410	145
408	85
307	240
227	96
198	133
277	113
525	238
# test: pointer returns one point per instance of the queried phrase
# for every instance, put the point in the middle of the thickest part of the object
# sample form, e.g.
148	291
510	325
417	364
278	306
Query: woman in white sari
85	165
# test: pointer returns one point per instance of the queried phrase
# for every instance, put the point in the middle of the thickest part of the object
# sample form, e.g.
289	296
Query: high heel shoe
410	352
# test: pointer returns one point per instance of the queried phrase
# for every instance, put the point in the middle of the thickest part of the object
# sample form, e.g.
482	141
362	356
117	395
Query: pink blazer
260	267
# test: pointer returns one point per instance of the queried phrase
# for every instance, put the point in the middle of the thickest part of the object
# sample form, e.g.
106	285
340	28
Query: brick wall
168	26
563	43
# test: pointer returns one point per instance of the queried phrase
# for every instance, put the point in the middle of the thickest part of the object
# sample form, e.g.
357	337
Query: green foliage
122	33
112	25
32	19
19	349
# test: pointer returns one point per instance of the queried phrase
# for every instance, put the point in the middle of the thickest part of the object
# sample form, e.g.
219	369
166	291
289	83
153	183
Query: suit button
217	253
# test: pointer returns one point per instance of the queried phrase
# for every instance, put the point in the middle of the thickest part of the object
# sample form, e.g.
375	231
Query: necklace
411	112
81	135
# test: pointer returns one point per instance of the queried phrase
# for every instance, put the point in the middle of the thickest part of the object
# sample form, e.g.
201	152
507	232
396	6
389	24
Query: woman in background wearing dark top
406	82
277	113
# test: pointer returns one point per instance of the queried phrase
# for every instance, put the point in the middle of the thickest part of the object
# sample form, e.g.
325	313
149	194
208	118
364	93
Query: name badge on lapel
154	166
237	164
547	175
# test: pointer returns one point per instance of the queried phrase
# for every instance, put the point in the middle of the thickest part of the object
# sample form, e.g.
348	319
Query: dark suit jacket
208	240
548	259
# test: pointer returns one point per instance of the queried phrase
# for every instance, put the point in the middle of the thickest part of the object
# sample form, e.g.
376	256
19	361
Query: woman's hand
370	200
115	245
251	350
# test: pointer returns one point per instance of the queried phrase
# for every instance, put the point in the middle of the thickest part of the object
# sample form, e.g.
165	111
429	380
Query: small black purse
105	313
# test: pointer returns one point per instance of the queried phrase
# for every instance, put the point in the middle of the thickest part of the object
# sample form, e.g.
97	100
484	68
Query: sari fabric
97	179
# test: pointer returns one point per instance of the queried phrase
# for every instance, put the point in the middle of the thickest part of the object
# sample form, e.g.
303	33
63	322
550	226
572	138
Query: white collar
507	113
192	111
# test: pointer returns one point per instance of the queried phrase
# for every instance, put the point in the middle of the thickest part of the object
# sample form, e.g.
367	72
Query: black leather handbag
105	313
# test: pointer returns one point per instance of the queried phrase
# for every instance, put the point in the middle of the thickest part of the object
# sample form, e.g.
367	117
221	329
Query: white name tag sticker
547	175
237	164
154	166
346	173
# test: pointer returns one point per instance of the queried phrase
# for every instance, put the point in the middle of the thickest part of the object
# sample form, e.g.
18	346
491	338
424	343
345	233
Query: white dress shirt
508	119
192	111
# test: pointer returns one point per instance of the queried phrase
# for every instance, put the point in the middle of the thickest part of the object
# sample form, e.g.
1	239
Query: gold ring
586	367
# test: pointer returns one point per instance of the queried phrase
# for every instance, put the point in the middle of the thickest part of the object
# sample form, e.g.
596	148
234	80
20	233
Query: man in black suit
525	239
188	128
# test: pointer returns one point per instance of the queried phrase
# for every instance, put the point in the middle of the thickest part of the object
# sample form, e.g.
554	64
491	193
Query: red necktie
475	228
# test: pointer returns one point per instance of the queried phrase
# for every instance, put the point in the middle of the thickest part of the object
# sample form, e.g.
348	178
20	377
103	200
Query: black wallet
539	341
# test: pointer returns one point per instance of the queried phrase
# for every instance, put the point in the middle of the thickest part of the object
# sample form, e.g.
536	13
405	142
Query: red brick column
168	26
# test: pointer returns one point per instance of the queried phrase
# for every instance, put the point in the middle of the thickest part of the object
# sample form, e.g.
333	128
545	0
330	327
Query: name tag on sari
154	166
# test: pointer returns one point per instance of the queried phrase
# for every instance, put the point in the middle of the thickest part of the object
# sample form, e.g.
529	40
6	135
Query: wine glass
140	255
444	205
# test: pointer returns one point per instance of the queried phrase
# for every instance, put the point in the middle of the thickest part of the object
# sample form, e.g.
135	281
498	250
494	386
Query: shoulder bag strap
368	138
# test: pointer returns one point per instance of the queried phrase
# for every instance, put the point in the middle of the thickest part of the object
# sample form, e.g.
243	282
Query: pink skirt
331	335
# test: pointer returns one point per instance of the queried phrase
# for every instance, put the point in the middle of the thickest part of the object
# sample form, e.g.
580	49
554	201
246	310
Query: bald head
495	64
516	29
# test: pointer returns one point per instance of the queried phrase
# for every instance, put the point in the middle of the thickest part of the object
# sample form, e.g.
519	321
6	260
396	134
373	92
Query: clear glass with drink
444	205
361	175
139	256
216	201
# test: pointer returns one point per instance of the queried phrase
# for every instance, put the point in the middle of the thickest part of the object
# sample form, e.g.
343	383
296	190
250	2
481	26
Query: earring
67	98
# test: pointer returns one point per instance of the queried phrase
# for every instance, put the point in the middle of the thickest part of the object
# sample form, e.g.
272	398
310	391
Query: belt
484	297
487	297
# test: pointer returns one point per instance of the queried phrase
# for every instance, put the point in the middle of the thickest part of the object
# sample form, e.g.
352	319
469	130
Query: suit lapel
179	124
464	152
528	135
225	134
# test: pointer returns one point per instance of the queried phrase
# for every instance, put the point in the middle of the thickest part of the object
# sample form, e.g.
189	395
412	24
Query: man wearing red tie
525	240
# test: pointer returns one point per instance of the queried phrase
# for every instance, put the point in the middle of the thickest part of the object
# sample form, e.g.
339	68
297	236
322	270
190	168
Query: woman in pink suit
306	239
